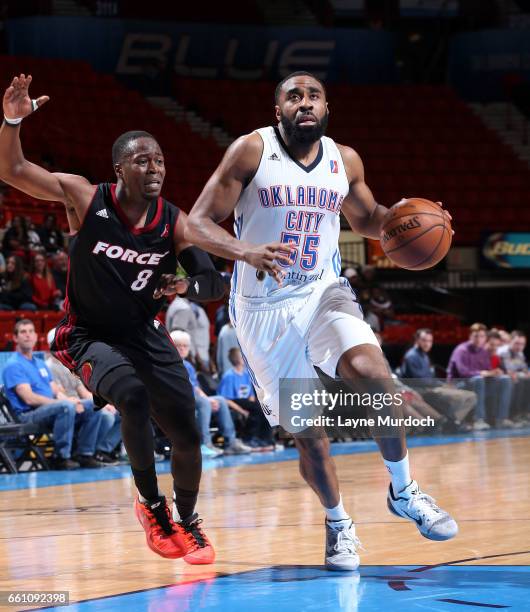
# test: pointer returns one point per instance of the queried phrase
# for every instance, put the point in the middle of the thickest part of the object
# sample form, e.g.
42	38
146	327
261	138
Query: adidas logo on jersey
274	157
103	213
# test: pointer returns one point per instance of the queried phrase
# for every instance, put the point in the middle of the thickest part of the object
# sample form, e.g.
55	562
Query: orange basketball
416	234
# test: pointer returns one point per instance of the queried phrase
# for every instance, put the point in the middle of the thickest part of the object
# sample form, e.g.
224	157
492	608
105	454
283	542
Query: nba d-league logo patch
334	166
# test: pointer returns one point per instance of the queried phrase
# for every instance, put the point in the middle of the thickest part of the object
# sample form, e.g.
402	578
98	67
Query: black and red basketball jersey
114	267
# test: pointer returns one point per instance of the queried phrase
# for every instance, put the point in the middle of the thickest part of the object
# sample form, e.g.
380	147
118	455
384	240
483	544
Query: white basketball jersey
289	202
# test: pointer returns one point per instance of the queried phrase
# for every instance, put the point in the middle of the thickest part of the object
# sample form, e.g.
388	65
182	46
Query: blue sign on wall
208	50
479	62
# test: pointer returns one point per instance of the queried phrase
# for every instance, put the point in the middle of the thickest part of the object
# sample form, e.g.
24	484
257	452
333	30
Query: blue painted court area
307	588
34	480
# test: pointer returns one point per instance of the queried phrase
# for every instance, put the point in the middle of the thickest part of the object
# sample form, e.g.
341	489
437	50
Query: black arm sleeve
206	284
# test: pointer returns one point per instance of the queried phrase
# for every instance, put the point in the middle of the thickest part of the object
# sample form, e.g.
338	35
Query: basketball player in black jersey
123	255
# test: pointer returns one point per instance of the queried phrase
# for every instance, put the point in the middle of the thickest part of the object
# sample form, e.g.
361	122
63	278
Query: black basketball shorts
91	354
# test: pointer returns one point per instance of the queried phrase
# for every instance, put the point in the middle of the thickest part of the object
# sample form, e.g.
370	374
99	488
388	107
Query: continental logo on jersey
313	197
114	251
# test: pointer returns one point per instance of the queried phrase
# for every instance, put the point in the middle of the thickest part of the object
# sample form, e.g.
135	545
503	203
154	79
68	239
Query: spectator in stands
417	408
353	277
37	398
470	368
109	433
51	236
381	305
221	318
504	335
44	291
201	337
455	403
513	362
221	314
205	405
236	387
493	343
34	242
15	238
414	404
368	278
371	318
15	289
60	272
226	340
180	315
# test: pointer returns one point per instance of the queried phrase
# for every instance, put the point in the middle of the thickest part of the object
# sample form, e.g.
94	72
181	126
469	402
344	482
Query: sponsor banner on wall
208	50
482	63
506	250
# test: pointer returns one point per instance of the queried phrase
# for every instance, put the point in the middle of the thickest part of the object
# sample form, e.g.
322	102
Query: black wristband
205	287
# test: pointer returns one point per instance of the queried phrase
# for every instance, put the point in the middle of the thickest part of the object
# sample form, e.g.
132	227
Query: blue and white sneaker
432	522
341	546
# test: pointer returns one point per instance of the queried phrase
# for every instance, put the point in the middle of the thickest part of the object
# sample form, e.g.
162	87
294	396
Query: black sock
185	502
146	482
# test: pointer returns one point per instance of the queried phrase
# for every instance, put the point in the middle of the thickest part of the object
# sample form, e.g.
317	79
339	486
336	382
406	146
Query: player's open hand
265	258
447	213
17	103
169	284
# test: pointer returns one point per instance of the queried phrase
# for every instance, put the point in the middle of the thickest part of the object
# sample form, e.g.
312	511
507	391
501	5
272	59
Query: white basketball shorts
286	337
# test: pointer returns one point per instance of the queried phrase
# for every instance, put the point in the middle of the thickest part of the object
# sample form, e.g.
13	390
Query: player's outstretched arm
24	175
218	200
362	212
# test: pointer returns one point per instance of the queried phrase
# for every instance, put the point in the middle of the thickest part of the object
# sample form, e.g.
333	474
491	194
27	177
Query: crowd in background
487	383
33	266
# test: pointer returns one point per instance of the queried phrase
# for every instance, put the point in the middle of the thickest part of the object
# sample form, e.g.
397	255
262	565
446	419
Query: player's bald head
125	144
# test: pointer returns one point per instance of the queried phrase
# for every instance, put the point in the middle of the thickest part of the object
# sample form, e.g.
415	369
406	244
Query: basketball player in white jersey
287	186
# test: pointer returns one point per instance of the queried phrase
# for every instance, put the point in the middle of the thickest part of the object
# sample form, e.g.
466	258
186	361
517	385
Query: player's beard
304	135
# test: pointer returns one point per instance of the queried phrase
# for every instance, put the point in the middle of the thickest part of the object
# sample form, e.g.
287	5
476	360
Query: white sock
337	513
142	499
399	473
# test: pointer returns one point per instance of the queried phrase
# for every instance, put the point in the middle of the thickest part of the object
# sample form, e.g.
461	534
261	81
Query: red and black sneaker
163	536
200	550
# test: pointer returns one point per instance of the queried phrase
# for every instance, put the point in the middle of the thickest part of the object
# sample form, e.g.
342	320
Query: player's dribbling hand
264	258
446	212
17	103
169	284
